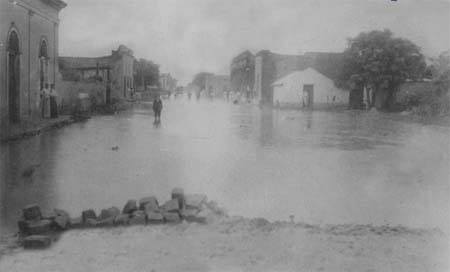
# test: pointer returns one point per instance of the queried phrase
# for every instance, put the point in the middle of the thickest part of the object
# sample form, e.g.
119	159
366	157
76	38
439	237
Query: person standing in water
157	108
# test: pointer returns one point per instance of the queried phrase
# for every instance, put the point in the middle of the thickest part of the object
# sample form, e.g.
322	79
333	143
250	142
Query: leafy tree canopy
380	60
146	72
440	67
200	80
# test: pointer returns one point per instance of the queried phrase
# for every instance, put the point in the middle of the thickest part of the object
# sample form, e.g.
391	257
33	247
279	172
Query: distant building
192	89
242	74
307	88
217	85
115	71
28	56
167	82
269	67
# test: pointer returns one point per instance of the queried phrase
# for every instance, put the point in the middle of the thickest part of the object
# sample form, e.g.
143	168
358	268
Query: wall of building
69	93
270	67
289	89
34	21
122	73
167	82
242	74
265	75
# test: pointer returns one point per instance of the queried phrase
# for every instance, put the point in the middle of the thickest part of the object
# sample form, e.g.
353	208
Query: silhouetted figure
53	104
157	108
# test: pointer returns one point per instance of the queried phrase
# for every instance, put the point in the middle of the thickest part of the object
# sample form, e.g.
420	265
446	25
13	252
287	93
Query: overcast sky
188	36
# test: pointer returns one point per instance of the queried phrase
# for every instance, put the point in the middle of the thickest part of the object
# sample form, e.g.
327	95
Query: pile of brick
39	231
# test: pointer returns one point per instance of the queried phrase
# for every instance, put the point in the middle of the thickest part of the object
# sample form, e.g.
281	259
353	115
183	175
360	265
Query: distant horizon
187	37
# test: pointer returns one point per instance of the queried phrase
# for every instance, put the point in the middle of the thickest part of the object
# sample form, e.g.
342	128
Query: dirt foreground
238	244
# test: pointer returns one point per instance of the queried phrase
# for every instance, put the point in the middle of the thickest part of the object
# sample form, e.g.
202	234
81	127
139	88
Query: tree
382	63
146	73
200	80
440	67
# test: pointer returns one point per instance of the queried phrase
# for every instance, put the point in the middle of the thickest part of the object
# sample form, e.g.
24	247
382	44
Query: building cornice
35	11
57	4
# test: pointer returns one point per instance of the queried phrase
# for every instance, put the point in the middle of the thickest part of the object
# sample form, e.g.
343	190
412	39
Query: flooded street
321	167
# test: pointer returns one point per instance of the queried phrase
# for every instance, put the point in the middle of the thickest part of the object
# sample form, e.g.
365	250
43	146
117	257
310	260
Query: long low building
115	71
271	67
307	88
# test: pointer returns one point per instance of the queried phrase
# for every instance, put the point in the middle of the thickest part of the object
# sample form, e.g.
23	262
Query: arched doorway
43	76
14	77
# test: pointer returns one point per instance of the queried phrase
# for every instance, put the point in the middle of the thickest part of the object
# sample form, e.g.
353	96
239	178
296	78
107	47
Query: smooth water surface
321	167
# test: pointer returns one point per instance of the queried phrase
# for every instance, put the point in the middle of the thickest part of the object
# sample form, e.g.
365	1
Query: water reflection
267	127
332	167
26	173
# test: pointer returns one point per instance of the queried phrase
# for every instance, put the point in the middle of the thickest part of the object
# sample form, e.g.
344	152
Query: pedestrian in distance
157	108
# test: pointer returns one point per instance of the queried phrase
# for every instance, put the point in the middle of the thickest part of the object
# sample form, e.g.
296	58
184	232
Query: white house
307	88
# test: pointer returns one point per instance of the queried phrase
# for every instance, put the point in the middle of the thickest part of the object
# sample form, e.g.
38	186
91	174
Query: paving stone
61	212
37	242
138	218
61	219
172	217
194	215
189	213
171	206
49	216
108	222
195	201
154	217
32	212
76	222
39	227
178	193
122	219
148	203
130	207
109	213
91	223
61	222
88	214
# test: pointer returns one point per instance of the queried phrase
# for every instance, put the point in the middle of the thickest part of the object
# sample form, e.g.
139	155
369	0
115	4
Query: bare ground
239	244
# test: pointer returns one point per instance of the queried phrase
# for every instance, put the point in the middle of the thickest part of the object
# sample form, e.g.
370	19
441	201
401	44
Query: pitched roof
327	63
57	4
295	73
82	63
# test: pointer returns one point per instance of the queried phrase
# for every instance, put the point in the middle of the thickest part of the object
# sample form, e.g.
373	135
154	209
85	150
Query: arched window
13	43
43	65
43	49
13	69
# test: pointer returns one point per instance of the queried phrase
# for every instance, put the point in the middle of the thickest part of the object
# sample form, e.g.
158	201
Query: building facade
242	71
28	57
115	72
167	82
308	89
269	67
217	85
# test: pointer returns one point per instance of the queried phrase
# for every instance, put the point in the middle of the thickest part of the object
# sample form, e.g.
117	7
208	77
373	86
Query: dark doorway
13	77
308	95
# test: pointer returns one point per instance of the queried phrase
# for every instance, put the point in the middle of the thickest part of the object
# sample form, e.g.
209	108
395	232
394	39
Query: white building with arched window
28	57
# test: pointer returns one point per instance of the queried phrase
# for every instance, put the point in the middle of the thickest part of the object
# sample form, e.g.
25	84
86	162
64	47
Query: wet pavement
321	167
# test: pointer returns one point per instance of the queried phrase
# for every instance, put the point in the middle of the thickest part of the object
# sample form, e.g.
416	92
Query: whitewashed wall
289	89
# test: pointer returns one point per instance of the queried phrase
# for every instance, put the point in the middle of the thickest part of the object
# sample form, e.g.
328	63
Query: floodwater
321	167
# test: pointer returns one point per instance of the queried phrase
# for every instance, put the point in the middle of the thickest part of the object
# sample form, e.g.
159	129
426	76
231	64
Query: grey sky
188	36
